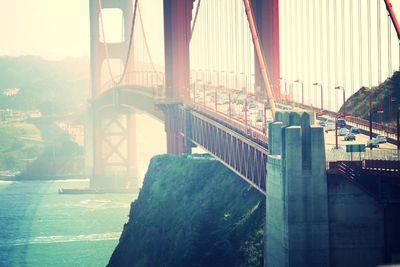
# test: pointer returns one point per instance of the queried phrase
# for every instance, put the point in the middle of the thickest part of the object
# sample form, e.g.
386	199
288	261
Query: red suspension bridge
224	79
244	80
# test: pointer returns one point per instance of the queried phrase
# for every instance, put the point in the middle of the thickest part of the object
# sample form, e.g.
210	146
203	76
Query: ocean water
40	228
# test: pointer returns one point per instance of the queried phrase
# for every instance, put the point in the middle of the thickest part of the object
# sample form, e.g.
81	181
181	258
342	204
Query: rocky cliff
192	211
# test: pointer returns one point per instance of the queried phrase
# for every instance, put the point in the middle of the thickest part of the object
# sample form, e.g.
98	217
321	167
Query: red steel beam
389	8
260	56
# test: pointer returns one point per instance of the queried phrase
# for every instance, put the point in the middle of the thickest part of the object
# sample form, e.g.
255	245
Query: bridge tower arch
112	140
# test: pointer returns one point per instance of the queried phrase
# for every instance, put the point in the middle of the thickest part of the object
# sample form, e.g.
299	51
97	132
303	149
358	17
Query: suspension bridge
245	80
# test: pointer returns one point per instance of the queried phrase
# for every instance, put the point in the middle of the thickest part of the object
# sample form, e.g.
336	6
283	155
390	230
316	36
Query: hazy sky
56	29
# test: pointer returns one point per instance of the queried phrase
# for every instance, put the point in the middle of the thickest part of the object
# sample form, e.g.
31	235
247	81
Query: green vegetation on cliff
192	211
386	96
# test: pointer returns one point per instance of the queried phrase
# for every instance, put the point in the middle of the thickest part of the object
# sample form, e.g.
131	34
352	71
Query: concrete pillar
297	232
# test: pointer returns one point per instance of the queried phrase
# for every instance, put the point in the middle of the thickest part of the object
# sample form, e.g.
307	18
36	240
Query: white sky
55	29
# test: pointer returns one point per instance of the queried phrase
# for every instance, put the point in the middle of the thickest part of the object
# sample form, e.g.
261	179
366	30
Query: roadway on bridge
231	103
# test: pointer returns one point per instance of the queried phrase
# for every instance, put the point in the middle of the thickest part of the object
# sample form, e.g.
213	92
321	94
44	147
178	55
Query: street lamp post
322	94
344	98
302	90
283	79
336	134
372	111
398	130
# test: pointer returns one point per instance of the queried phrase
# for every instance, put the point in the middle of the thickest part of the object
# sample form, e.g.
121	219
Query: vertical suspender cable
314	11
296	45
378	28
351	54
290	45
360	42
249	66
379	45
306	41
343	49
335	49
369	44
232	39
243	51
293	40
389	47
321	42
321	47
236	42
303	54
328	57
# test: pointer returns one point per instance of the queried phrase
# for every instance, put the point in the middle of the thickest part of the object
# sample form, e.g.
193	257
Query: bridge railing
374	154
378	128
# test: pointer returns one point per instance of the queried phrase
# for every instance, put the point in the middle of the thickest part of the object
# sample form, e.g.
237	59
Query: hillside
386	96
36	147
192	212
53	87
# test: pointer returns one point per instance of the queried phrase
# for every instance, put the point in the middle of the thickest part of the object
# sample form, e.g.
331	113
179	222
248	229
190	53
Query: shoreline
42	178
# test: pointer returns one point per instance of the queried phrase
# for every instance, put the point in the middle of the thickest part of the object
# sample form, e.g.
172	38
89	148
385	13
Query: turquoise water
39	227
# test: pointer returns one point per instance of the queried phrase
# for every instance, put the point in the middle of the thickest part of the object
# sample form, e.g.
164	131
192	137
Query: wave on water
70	180
61	239
7	182
95	204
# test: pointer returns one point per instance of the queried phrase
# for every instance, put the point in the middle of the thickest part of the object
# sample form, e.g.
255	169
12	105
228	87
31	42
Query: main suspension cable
195	19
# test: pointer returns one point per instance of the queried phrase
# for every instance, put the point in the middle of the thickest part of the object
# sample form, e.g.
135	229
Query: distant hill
54	87
386	96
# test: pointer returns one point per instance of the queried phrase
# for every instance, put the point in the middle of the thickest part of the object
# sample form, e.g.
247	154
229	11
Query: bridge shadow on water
18	207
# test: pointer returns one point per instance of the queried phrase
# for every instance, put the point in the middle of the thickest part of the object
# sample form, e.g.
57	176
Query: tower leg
177	19
267	18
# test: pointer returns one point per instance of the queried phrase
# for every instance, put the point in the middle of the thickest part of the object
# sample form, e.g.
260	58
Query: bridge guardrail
374	154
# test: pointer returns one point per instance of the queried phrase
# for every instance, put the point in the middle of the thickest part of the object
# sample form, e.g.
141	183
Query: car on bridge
322	123
329	127
341	122
381	139
343	131
355	130
350	137
373	143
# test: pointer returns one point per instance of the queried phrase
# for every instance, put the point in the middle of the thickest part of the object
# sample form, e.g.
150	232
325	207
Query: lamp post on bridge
398	131
284	80
322	94
344	97
244	82
302	90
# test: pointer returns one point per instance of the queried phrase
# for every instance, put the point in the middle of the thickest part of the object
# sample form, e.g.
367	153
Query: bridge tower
266	13
177	31
297	225
113	129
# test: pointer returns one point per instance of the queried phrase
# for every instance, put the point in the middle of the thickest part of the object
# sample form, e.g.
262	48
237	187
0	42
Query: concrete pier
297	226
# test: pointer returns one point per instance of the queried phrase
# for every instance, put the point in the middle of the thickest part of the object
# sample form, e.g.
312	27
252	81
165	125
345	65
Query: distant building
11	91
